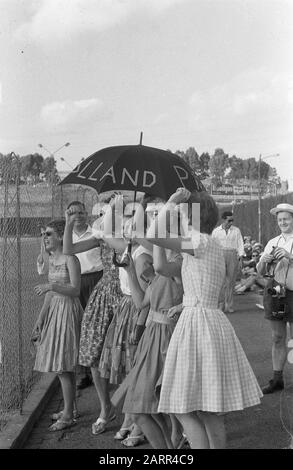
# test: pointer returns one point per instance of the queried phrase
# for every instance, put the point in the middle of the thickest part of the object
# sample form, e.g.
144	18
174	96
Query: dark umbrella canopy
135	168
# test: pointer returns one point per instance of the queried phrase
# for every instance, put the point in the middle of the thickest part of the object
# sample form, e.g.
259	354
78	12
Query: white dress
206	368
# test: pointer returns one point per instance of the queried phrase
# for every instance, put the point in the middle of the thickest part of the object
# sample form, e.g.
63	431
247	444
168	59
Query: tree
50	171
219	163
31	167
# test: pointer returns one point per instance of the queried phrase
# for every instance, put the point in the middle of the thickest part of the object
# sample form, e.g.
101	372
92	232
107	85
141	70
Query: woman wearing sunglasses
58	325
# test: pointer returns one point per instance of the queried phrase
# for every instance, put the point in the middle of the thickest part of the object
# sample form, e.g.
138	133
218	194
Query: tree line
218	167
34	168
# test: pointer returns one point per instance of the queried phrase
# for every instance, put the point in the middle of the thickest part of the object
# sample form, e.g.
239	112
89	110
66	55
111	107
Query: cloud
72	116
161	118
252	98
61	20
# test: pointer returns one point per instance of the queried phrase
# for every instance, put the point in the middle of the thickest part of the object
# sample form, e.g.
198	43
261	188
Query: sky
187	73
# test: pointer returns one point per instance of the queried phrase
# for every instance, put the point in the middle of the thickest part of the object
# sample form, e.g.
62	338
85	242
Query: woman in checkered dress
206	371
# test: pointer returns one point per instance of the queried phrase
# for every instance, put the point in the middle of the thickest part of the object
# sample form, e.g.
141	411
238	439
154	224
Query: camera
277	291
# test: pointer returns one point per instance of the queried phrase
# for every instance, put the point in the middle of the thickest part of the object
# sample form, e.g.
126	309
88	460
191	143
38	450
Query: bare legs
215	429
279	348
204	430
67	380
102	388
155	430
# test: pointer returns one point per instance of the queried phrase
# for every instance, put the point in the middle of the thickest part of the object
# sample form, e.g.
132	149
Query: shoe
230	310
101	424
62	424
133	441
123	433
260	306
56	416
84	382
273	386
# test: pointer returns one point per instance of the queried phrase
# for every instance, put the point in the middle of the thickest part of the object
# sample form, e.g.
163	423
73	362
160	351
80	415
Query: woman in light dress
206	371
58	325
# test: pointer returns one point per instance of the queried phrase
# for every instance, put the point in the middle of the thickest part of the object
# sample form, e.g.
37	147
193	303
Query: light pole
52	183
259	193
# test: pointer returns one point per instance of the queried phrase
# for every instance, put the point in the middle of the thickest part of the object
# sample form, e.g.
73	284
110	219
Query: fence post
19	285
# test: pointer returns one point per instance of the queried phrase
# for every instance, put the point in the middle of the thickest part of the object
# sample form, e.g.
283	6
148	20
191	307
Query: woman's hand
41	289
127	258
181	195
174	312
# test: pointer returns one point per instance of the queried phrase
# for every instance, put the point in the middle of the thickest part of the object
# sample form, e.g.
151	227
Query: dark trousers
88	282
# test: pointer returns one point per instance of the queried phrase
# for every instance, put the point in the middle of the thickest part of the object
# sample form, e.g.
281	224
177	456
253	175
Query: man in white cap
279	251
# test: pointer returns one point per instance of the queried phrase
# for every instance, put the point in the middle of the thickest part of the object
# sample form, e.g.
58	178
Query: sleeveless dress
206	368
98	313
57	350
140	389
117	353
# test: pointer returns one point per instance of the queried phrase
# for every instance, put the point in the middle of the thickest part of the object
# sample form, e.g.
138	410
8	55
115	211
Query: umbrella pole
140	139
130	242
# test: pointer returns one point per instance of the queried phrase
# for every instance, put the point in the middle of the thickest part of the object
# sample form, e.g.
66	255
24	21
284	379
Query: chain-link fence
24	209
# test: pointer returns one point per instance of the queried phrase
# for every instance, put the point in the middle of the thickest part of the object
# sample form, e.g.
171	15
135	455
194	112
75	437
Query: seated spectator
247	239
251	279
247	254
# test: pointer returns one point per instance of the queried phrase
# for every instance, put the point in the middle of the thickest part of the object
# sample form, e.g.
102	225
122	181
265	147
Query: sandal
123	433
133	441
62	424
100	425
56	416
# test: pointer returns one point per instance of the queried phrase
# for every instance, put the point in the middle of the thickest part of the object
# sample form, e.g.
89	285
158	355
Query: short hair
76	203
58	225
226	214
209	212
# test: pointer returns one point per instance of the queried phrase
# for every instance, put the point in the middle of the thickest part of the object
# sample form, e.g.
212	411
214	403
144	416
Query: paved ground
254	428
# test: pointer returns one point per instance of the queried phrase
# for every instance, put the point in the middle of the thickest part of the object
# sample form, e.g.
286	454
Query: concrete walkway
254	428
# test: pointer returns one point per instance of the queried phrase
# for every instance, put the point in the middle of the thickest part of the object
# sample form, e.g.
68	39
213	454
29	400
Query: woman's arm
70	248
43	313
113	227
163	266
72	289
139	297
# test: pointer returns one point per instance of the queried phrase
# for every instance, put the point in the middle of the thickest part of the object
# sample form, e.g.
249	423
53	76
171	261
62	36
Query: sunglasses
48	234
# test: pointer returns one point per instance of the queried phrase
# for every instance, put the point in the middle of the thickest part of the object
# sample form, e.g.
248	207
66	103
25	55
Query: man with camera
276	263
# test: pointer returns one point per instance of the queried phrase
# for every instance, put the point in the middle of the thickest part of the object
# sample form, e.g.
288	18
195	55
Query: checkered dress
206	368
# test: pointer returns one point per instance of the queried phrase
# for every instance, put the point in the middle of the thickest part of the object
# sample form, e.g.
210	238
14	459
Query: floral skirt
118	354
96	320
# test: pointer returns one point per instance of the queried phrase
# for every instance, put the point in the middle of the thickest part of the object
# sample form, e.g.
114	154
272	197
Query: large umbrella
135	168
